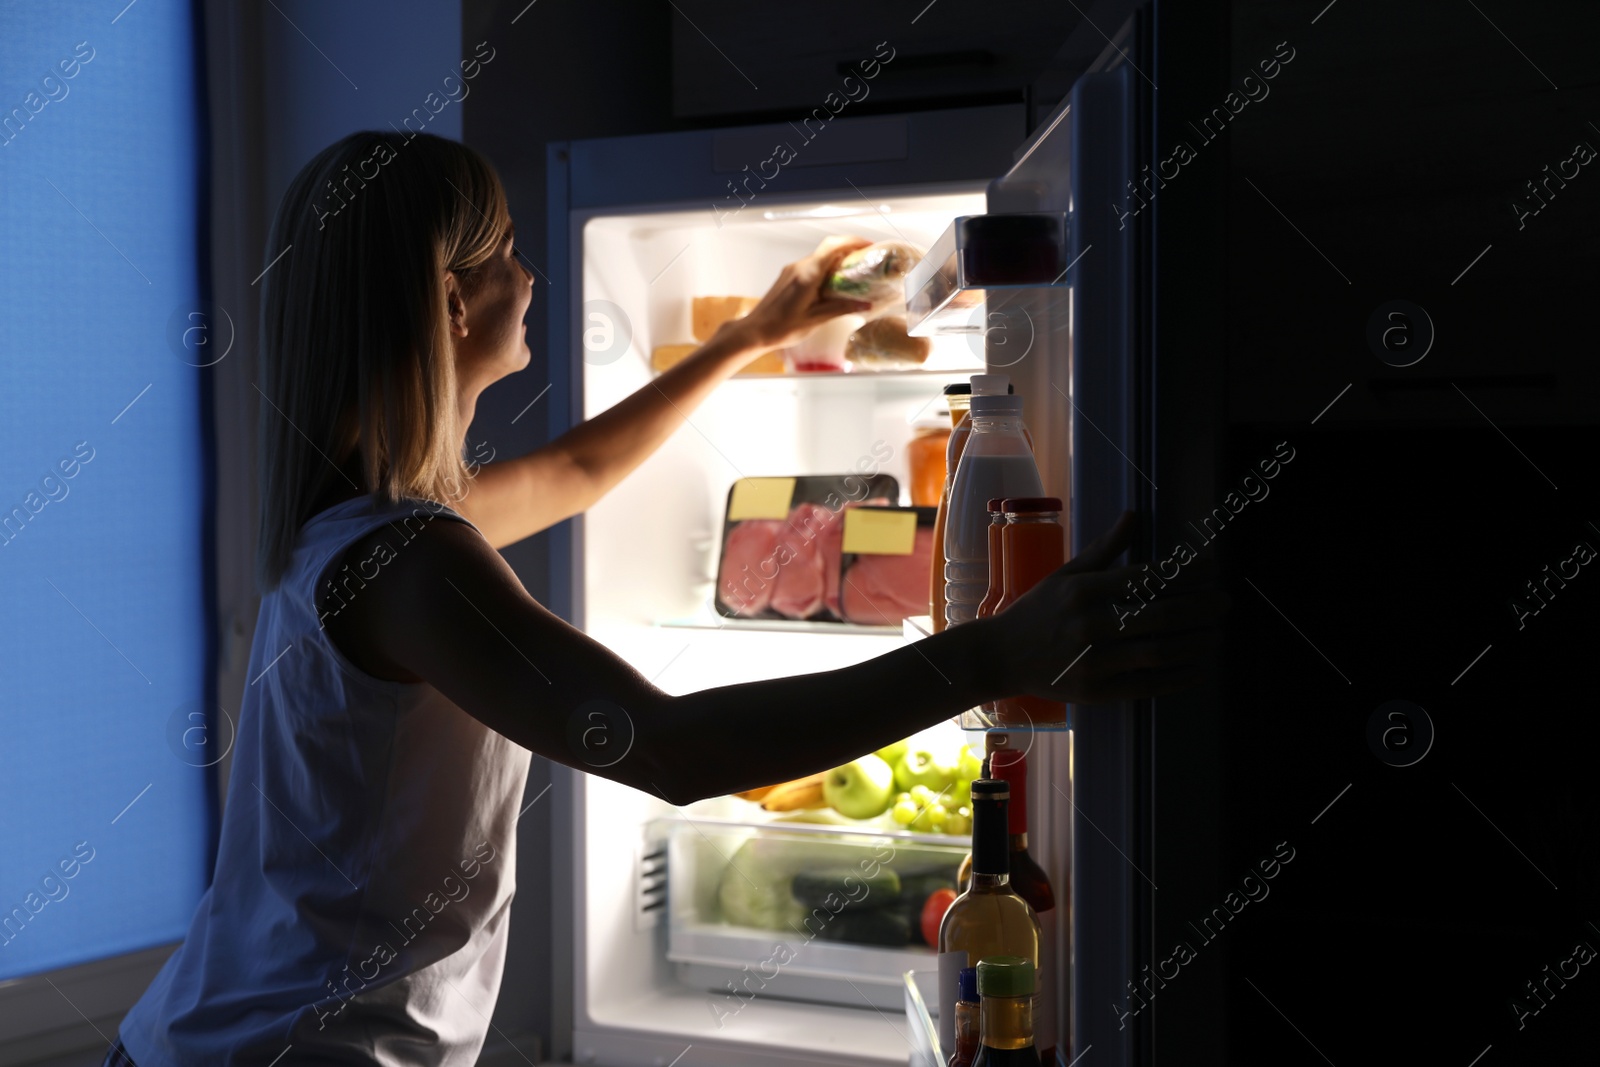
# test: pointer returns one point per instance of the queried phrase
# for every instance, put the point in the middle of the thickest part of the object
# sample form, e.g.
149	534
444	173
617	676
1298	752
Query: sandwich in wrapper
876	274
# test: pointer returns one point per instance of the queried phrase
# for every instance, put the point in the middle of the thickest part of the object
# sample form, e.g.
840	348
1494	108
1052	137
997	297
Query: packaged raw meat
739	585
801	588
781	543
885	563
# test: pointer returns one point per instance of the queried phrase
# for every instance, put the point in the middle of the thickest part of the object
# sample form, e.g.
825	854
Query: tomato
933	910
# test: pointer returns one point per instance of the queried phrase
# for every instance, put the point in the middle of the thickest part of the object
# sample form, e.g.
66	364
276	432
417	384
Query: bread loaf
883	344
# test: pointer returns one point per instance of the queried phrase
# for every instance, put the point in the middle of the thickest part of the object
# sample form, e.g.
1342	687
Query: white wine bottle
988	918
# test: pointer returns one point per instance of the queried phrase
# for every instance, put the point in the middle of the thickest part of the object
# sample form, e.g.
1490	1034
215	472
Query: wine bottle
1033	885
1006	988
988	918
1027	877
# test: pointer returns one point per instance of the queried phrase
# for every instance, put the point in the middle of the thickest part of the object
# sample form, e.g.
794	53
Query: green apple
925	767
891	754
860	789
971	766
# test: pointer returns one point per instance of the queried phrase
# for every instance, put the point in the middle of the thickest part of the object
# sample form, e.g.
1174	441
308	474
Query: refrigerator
639	225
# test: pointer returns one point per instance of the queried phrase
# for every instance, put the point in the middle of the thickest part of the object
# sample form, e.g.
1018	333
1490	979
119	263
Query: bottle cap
992	404
995	504
990	384
1005	976
1015	504
967	985
964	388
990	789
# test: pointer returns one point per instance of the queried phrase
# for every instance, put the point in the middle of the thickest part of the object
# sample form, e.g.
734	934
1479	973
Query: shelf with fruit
917	786
879	839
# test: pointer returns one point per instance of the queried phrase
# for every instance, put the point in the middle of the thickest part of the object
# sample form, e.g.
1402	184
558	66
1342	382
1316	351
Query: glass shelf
977	367
791	626
768	822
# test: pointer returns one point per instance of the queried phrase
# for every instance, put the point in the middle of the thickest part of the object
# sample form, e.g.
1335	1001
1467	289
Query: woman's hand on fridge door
1091	633
797	302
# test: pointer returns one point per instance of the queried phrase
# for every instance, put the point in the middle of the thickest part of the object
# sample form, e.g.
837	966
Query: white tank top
360	904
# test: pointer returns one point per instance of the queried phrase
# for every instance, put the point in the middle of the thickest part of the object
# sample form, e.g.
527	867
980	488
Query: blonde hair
356	351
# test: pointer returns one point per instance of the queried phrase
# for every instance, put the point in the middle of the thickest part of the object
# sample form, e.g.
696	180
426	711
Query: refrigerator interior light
826	211
945	291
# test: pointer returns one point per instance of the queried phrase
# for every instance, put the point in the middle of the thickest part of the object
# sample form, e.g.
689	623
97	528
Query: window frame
73	1009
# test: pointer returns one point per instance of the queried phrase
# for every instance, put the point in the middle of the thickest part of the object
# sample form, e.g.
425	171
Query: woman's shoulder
398	565
356	538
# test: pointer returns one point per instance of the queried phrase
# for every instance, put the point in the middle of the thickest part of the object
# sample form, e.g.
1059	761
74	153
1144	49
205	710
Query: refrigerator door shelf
737	923
980	719
921	989
946	290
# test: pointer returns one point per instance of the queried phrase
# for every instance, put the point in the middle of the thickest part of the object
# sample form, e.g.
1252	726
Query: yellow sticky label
760	498
880	533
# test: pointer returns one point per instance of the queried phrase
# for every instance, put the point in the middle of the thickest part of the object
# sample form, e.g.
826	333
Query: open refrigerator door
696	926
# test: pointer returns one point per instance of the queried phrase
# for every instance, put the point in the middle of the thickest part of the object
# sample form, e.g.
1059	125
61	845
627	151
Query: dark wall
564	70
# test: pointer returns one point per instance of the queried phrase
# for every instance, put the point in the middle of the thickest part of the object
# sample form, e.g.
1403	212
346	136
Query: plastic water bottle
997	462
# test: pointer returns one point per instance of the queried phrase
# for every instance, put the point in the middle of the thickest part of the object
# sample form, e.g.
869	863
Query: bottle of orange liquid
926	454
1033	545
959	397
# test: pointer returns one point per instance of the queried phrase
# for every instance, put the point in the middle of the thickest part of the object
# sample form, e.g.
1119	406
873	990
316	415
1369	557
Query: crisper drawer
797	911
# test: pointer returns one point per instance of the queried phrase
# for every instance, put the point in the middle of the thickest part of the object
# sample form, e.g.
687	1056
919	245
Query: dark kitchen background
1444	861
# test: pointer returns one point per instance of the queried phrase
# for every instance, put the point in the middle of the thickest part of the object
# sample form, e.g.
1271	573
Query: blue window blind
107	834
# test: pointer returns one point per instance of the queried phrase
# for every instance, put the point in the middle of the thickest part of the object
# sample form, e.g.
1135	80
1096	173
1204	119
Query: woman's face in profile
495	344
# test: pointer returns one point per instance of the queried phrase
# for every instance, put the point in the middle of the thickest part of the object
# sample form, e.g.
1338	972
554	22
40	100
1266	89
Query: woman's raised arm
517	498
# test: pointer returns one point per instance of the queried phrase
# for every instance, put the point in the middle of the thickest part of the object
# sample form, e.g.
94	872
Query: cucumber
813	888
879	927
916	887
915	890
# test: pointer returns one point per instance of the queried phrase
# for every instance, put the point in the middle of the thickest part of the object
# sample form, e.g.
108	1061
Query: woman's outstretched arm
516	498
447	608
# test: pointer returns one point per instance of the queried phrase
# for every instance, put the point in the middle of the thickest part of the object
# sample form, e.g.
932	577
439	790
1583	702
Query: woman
403	675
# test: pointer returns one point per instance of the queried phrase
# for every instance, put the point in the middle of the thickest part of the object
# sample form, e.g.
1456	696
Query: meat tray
782	540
